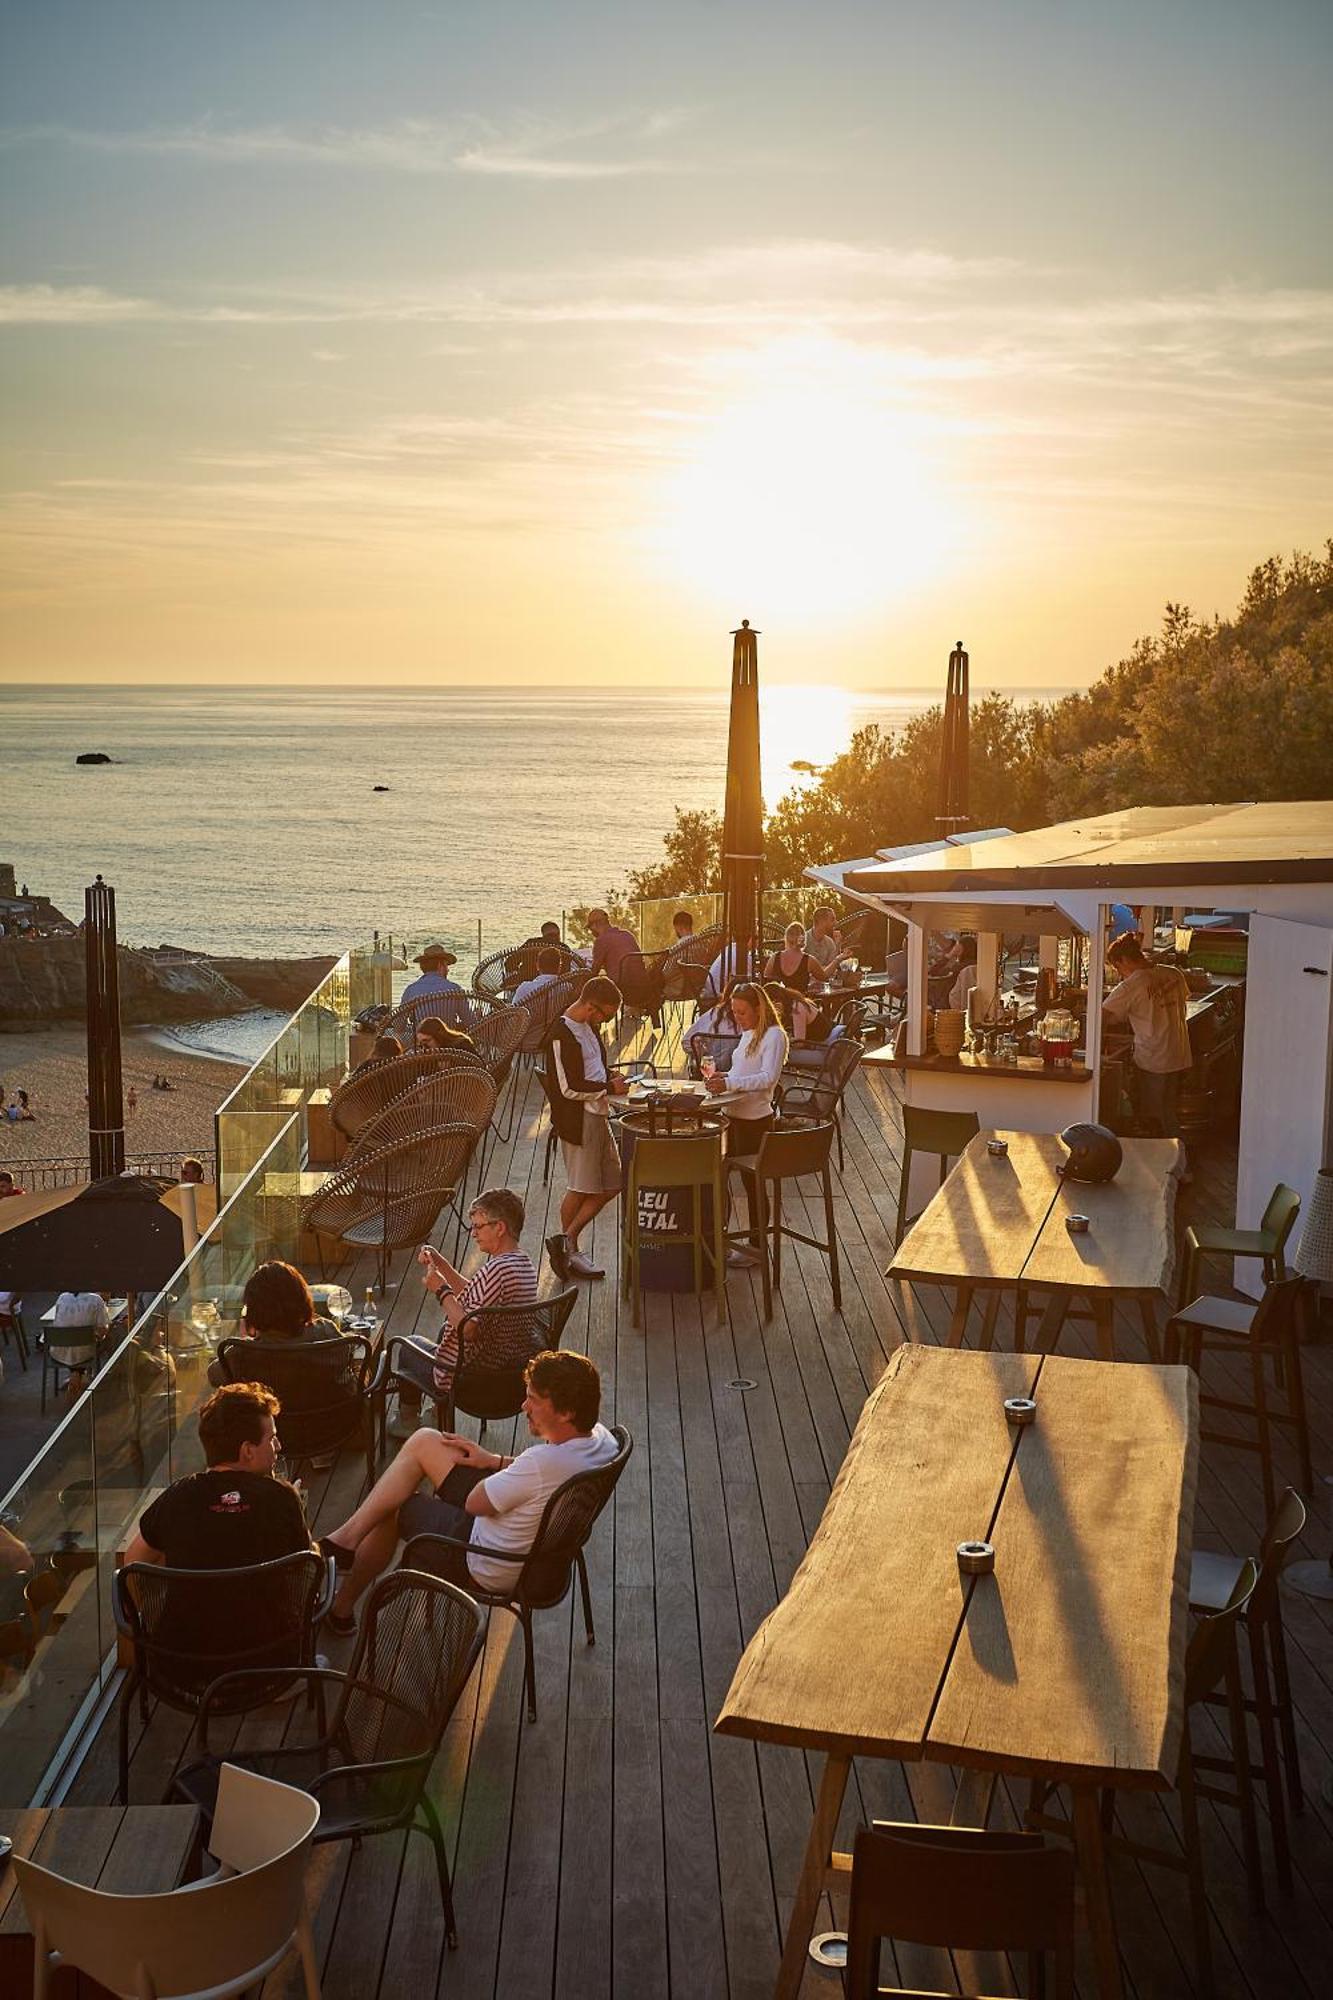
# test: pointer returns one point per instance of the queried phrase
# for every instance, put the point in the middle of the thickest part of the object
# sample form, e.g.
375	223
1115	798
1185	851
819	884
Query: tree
1219	711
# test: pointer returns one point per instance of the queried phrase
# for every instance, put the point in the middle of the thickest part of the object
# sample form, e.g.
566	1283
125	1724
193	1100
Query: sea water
247	820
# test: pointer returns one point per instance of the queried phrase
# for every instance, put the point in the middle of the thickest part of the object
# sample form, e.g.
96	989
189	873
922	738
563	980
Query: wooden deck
617	1847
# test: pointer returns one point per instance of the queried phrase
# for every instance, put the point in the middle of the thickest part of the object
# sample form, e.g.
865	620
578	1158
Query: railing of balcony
127	1436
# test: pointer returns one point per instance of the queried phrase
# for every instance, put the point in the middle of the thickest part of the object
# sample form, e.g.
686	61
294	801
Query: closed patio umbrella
743	815
118	1235
953	803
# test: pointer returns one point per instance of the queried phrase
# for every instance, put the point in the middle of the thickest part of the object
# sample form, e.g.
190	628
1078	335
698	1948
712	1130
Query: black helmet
1094	1153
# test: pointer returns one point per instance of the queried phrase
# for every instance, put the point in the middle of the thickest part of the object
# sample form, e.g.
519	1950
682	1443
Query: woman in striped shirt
506	1278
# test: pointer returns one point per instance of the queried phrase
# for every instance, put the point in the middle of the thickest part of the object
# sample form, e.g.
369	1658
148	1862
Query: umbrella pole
106	1111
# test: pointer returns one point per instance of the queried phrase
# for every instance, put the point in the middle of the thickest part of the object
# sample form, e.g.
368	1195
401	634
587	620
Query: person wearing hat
435	983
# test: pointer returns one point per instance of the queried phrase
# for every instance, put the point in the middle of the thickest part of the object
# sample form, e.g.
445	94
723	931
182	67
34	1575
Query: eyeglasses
482	1222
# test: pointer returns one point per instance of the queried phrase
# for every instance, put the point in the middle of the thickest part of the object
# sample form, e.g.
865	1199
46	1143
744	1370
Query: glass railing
131	1432
309	1055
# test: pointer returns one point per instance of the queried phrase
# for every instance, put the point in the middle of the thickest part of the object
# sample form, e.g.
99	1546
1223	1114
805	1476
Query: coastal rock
274	982
92	757
379	788
42	983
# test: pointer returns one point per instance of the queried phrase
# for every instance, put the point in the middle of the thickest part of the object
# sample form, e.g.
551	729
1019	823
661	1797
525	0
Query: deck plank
619	1846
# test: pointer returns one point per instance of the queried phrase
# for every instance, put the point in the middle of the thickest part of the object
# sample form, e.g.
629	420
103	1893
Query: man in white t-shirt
479	1497
78	1321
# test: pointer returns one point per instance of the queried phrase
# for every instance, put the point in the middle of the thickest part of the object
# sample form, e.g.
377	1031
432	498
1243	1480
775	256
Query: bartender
1151	1001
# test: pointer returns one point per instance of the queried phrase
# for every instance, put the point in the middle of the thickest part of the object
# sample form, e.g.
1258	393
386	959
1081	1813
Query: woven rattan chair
262	1618
959	1888
419	1641
818	1091
498	1032
329	1391
499	974
543	1010
543	1572
495	1345
355	1103
389	1199
449	1093
454	1009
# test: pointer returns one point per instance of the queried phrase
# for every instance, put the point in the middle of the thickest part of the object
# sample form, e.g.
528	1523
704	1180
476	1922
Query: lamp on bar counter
1314	1262
743	815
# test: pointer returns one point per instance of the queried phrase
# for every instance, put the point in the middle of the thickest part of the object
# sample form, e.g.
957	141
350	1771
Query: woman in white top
755	1068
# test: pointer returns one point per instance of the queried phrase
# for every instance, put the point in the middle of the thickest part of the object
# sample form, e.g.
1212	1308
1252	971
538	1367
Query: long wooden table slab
999	1221
1066	1664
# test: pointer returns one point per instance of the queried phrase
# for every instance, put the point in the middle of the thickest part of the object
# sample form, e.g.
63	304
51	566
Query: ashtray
976	1558
1077	1225
1019	1409
997	1148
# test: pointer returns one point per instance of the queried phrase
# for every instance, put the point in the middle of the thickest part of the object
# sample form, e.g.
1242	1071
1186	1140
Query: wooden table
1000	1221
126	1850
1065	1665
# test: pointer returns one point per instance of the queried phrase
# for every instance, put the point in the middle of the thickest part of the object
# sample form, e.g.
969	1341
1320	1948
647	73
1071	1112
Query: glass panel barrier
65	1523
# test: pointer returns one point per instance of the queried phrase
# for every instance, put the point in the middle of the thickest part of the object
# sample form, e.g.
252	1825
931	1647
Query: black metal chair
817	1091
274	1607
419	1641
545	1570
329	1391
717	1049
791	1148
488	1382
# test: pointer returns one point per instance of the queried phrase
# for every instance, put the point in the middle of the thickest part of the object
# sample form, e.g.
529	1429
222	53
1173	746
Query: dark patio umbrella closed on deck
117	1235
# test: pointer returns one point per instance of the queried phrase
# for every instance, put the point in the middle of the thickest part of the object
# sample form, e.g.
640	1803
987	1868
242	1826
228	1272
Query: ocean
246	820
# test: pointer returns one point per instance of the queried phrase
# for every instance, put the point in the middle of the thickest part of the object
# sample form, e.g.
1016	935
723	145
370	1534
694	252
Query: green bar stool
789	1150
946	1133
1268	1241
693	1163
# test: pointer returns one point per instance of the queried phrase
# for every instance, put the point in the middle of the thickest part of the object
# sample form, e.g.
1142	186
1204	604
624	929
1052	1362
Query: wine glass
708	1069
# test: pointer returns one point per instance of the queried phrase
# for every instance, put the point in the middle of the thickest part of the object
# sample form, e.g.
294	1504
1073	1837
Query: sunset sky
542	342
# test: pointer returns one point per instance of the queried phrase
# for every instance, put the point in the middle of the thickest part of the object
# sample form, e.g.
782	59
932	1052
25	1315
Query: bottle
369	1316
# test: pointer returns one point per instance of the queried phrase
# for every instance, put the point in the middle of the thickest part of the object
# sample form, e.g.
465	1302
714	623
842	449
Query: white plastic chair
206	1940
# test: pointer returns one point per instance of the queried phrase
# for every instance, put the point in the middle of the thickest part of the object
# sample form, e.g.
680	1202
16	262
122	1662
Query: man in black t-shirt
229	1517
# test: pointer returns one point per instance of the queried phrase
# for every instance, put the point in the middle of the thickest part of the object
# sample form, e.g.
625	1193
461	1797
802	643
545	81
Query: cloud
601	149
70	305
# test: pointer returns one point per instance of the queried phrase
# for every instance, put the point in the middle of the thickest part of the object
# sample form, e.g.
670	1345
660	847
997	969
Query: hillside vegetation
1204	711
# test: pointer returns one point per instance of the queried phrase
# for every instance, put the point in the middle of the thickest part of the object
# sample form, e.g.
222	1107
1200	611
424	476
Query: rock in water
92	757
379	788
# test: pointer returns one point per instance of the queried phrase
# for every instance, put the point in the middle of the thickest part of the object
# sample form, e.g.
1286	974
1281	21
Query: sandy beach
51	1066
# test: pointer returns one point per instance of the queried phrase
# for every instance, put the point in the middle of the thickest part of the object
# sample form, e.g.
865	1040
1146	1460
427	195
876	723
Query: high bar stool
789	1149
1268	1331
1268	1241
1213	1578
944	1133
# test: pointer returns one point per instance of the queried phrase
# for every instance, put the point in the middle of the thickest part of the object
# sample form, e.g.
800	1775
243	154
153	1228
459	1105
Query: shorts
593	1167
443	1513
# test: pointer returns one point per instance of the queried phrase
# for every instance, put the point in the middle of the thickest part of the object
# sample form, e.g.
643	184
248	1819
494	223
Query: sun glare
806	494
800	727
